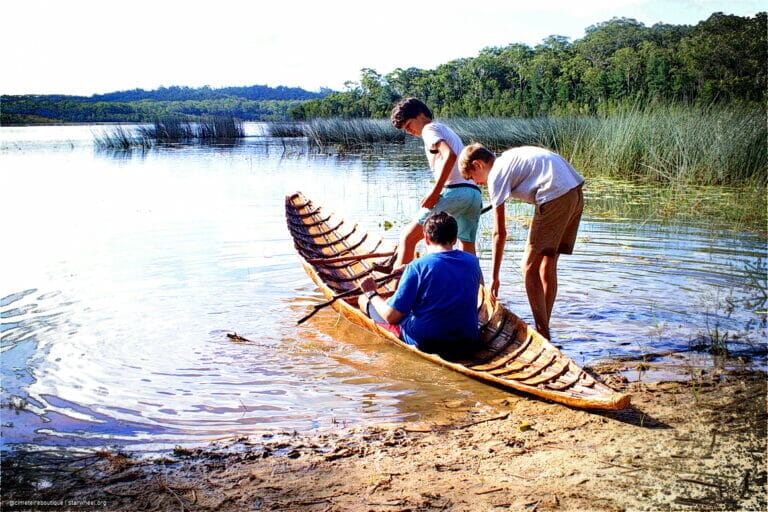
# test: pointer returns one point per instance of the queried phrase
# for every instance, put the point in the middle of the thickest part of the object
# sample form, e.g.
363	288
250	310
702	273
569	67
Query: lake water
122	273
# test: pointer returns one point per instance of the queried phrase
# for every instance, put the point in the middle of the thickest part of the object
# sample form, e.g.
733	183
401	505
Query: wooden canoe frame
513	355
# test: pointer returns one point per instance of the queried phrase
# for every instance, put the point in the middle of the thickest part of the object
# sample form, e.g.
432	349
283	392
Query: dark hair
406	109
441	228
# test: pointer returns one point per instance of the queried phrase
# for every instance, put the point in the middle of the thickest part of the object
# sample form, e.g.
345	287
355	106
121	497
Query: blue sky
88	47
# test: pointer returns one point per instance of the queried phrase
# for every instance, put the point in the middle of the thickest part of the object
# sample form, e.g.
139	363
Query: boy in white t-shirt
451	192
540	177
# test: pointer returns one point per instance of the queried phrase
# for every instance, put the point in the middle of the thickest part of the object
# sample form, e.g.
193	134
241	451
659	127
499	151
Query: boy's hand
495	288
430	200
368	285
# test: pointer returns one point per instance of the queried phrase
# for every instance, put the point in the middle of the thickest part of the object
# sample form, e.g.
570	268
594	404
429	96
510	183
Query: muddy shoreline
696	444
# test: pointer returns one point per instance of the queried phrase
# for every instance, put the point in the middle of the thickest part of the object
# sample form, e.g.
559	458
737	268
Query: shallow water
121	275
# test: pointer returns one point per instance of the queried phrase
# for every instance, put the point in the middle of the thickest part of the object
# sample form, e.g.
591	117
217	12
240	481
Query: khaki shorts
555	224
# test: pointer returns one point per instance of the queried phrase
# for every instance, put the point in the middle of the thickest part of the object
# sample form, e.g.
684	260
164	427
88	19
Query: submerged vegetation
170	130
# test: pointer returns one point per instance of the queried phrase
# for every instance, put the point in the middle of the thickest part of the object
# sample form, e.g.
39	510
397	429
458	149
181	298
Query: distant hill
247	103
177	93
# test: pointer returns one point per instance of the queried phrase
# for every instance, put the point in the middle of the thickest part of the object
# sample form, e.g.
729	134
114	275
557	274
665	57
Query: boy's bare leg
406	250
549	281
534	287
467	246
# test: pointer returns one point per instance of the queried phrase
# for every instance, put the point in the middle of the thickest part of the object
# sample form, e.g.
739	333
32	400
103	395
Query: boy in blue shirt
435	304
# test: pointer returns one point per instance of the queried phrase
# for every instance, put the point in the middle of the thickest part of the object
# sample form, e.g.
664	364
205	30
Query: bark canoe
338	255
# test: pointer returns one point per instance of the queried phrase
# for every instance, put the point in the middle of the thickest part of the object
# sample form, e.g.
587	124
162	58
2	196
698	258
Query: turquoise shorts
464	202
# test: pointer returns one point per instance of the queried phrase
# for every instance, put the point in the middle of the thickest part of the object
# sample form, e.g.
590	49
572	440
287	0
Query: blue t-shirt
438	296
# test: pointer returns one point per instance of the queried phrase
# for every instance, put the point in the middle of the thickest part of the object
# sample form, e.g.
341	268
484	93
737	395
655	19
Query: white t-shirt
531	174
432	134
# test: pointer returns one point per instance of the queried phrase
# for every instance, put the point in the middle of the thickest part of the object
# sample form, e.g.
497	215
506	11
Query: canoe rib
511	354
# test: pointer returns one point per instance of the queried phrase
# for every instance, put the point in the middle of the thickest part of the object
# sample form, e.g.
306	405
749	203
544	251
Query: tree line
721	60
257	102
620	62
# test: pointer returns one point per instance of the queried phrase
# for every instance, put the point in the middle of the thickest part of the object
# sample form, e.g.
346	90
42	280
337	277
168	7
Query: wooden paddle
349	293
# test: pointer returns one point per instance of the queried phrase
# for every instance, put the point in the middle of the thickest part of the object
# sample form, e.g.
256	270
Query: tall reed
220	128
286	129
343	133
120	139
670	144
169	129
666	143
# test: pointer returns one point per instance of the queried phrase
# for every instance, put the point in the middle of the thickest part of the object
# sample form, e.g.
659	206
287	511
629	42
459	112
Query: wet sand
695	444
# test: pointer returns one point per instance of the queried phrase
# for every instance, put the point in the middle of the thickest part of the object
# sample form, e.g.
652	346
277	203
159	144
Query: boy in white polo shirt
540	177
451	192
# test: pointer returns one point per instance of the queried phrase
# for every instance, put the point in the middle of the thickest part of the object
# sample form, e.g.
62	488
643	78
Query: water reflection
122	276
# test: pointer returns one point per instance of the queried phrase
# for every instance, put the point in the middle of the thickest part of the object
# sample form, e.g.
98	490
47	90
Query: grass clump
169	129
220	128
172	130
120	139
286	130
342	133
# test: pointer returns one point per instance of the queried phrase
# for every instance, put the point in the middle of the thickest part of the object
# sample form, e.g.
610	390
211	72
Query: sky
86	47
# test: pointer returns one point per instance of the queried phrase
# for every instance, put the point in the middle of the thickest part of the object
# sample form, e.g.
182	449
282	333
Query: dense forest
619	62
722	60
257	102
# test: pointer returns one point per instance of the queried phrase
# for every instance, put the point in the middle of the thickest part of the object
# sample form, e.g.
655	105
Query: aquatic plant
286	129
172	129
667	144
220	128
342	133
120	139
169	129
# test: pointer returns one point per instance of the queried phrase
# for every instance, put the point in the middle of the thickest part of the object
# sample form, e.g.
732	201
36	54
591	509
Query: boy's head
468	158
441	228
407	109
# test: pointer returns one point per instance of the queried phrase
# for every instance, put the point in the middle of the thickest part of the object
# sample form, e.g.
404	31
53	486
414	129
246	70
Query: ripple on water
114	318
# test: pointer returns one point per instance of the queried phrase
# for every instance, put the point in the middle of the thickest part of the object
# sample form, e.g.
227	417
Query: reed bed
341	133
172	130
685	162
672	145
660	144
286	130
220	128
120	139
169	129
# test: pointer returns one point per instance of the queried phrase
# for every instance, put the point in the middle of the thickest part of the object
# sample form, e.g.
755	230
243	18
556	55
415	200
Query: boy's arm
448	157
387	312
